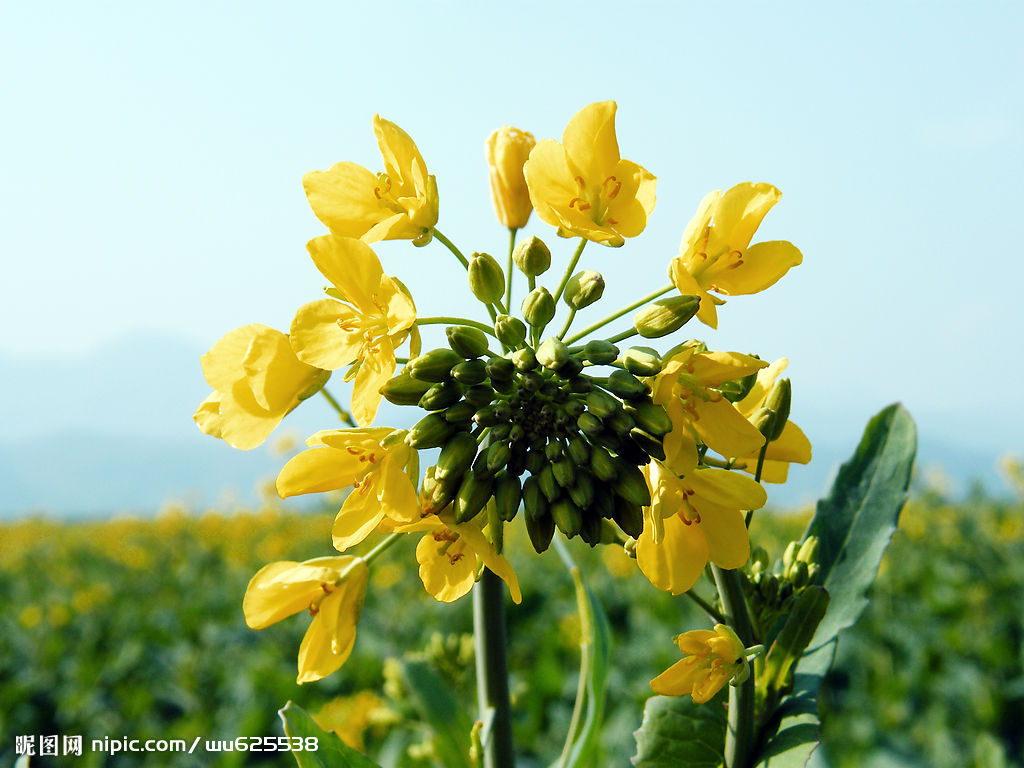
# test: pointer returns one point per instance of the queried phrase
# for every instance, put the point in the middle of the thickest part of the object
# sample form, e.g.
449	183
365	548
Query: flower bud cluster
531	429
771	591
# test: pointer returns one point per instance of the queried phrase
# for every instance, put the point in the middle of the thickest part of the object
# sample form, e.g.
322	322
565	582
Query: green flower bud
552	354
736	389
665	316
582	491
578	450
468	342
538	307
470	372
404	389
429	432
591	530
603	503
532	257
554	450
789	556
809	550
511	331
507	494
435	365
500	369
541	529
759	560
460	412
535	503
629	517
471	498
548	484
567	517
619	422
486	416
600	352
769	588
648	443
650	417
441	395
456	456
778	400
563	472
583	289
486	278
498	455
589	424
570	369
799	575
631	486
601	404
479	395
626	385
642	361
524	359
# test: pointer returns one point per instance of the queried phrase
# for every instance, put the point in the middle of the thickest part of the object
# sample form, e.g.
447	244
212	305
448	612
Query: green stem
570	268
344	415
568	322
374	553
455	321
622	336
451	247
620	313
508	272
739	734
757	477
707	607
586	660
492	669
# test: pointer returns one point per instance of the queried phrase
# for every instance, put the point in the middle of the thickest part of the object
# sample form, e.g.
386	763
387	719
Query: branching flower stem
611	318
492	670
447	320
451	247
570	268
344	415
508	271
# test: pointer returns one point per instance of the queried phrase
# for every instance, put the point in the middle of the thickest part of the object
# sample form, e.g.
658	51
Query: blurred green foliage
133	628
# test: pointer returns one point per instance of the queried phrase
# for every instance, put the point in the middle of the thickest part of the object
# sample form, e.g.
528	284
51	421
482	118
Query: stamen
583	204
617	185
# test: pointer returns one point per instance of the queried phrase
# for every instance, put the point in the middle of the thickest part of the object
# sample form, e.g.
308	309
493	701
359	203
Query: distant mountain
113	431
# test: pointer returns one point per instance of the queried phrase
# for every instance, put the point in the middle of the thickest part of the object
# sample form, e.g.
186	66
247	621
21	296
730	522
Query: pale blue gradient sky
152	155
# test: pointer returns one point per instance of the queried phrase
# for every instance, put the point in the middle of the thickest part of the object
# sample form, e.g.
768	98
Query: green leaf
676	733
803	620
443	711
331	751
595	647
856	521
796	739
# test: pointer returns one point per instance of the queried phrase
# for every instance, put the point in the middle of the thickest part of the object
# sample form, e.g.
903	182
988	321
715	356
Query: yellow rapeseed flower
583	187
368	316
686	387
713	658
716	254
257	380
399	204
331	588
375	461
507	150
792	445
694	519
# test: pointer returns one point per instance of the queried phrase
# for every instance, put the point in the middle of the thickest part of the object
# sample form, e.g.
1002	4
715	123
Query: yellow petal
322	469
447	574
398	305
695	642
726	488
328	641
738	214
705	687
359	515
475	539
792	446
679	679
343	198
763	264
284	588
327	334
590	142
353	268
549	180
374	371
726	533
713	367
723	428
396	491
766	377
677	562
402	160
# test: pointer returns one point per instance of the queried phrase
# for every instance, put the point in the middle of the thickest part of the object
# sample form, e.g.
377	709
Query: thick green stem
623	336
508	272
739	735
454	321
451	247
344	415
570	268
492	670
376	552
602	323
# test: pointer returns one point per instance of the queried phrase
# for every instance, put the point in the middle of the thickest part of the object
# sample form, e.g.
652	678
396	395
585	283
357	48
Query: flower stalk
739	734
492	670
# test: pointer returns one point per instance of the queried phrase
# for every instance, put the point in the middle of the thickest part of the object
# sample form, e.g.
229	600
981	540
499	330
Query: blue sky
152	156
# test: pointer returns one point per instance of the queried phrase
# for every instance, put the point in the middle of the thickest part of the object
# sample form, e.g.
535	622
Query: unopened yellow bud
507	150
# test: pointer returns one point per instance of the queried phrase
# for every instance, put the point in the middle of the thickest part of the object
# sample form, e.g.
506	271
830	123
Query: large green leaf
855	522
331	751
676	733
443	711
854	525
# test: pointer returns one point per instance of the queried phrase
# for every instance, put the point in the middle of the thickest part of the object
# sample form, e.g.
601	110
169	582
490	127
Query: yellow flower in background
693	520
713	658
448	554
257	380
507	150
792	445
583	187
686	387
368	316
399	204
375	461
331	588
716	254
